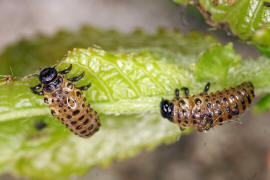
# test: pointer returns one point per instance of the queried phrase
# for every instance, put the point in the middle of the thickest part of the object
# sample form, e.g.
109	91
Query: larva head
166	109
47	75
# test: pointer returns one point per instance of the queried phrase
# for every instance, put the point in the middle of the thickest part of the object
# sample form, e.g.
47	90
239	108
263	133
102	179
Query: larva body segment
67	103
204	111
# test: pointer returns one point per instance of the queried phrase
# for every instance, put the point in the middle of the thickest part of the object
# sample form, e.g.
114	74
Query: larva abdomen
204	111
68	105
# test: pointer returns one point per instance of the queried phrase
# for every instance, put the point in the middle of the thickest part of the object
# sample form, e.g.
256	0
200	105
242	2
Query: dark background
232	151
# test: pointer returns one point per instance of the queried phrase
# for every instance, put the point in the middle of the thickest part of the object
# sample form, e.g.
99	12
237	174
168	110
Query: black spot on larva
193	115
211	121
52	100
217	102
83	105
86	121
186	122
53	112
210	115
83	132
248	98
228	109
78	93
194	121
62	119
242	101
238	93
186	116
266	4
65	110
220	119
229	116
182	102
179	115
232	97
235	105
54	95
60	105
224	99
209	105
77	111
73	122
219	112
58	100
91	127
79	127
80	118
90	115
235	112
59	92
179	120
206	100
66	92
199	110
69	116
198	101
183	111
60	111
66	125
69	85
46	100
252	93
244	106
87	111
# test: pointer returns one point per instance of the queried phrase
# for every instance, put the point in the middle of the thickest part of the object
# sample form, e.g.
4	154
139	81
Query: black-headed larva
204	110
66	101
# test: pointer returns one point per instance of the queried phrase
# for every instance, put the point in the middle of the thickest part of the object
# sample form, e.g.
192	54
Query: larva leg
38	92
77	78
35	88
84	87
185	90
65	71
177	93
206	88
181	128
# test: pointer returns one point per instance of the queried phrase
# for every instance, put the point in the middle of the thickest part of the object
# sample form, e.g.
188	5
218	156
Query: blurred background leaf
247	19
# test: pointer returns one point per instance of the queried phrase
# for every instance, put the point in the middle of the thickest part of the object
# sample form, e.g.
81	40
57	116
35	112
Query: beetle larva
66	102
204	110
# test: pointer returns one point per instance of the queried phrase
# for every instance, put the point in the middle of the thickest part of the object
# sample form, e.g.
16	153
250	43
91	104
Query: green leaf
263	105
261	39
218	61
127	86
247	19
27	56
55	153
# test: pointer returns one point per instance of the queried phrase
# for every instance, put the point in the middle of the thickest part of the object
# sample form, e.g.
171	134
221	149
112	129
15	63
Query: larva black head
166	109
47	75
